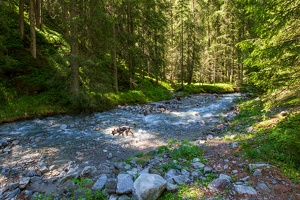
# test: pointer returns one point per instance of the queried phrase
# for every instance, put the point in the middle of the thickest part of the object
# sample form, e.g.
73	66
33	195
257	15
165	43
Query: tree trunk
74	54
21	20
115	60
32	29
39	14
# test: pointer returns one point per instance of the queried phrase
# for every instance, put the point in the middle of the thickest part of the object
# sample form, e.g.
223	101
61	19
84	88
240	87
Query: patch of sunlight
191	192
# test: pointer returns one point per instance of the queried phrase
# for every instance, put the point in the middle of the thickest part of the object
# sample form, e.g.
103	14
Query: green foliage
188	152
84	186
206	88
274	141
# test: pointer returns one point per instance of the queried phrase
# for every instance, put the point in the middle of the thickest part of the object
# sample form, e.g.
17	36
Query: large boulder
149	186
125	184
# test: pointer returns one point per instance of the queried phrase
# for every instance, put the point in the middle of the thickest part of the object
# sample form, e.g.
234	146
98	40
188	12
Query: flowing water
87	139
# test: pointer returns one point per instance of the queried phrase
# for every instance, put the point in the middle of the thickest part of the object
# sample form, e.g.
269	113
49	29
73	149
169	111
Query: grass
276	138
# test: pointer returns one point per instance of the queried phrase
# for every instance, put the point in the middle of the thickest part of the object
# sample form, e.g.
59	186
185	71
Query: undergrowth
275	137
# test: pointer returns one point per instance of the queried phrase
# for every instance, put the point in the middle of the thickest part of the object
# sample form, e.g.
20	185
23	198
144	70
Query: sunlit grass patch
275	137
185	192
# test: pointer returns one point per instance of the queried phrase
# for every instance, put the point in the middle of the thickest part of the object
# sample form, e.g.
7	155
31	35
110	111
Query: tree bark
115	60
74	54
21	20
39	14
32	29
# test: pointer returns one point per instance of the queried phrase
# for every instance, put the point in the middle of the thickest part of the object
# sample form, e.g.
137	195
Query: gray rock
111	185
207	170
230	116
31	173
100	183
13	194
13	186
63	126
218	184
235	145
185	172
113	197
241	189
88	171
15	142
263	187
172	173
181	179
195	174
257	172
254	166
110	156
149	186
120	165
24	182
124	197
224	176
3	142
145	171
27	194
125	184
172	187
198	165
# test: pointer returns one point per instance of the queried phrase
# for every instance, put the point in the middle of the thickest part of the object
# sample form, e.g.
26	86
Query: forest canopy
83	49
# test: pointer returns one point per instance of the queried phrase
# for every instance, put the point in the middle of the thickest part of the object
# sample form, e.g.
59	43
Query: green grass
276	138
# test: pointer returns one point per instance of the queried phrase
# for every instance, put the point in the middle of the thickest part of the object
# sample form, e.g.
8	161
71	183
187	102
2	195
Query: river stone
172	187
241	189
172	173
3	142
218	184
13	194
257	172
88	171
13	186
24	182
100	183
263	187
111	185
198	165
149	186
125	184
254	166
207	170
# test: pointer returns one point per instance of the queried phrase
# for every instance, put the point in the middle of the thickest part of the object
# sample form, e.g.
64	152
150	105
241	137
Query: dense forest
75	52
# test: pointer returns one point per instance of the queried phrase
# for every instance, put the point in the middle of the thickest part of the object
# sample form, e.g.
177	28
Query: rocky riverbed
41	155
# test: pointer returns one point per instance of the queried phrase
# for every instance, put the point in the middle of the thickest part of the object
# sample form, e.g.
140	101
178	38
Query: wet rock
149	186
125	184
